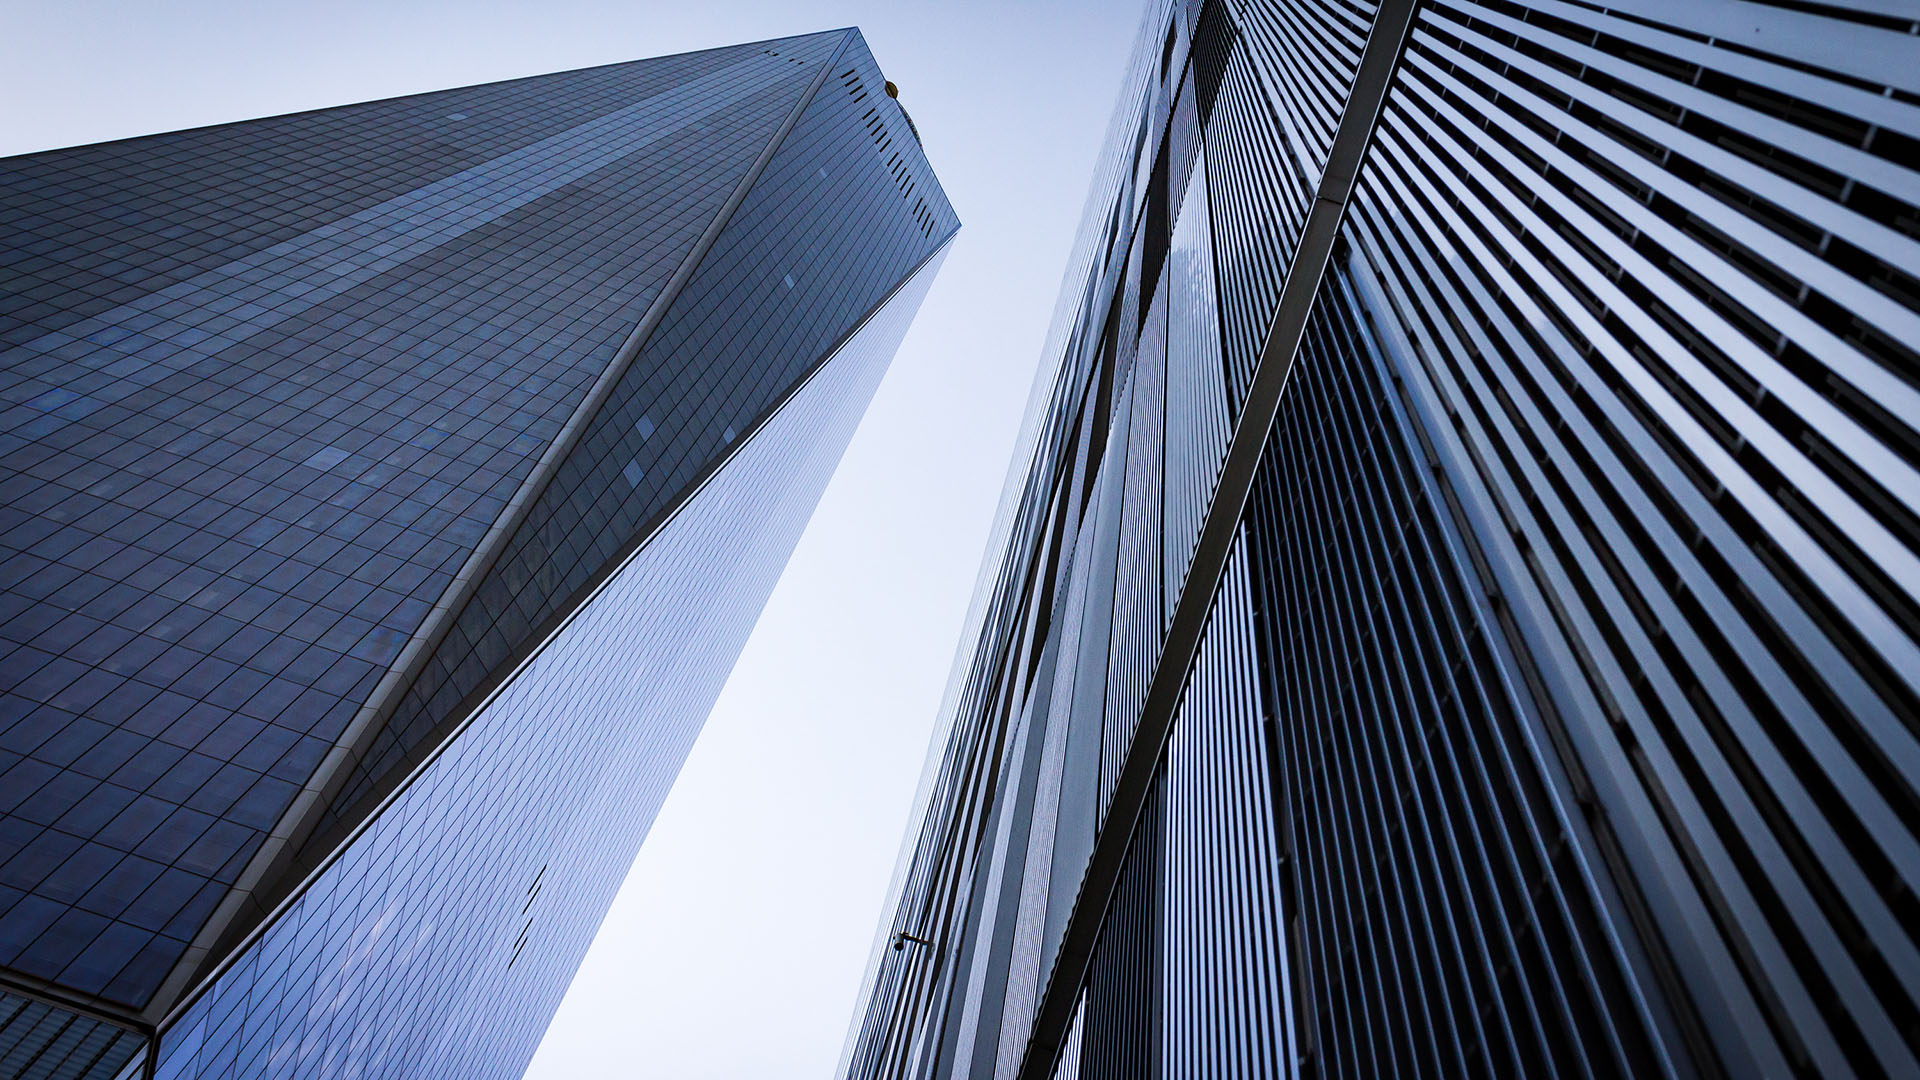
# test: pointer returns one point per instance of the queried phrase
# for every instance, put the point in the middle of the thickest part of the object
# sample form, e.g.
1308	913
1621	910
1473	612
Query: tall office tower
1459	611
388	491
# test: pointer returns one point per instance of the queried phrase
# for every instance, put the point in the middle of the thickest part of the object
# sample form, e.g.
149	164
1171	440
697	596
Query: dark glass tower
388	491
1459	609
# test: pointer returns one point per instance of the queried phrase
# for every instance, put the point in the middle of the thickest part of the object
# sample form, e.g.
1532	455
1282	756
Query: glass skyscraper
1458	608
388	491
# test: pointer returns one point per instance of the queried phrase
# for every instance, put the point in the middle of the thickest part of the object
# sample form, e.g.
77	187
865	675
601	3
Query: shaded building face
1457	616
388	490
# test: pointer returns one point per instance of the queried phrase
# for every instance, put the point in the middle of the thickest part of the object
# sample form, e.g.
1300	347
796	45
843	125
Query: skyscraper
388	491
1457	607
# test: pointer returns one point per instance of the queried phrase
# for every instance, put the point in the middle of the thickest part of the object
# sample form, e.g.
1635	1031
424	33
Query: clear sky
737	946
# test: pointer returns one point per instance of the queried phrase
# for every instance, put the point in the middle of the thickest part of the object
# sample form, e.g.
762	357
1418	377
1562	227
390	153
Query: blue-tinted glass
483	882
316	427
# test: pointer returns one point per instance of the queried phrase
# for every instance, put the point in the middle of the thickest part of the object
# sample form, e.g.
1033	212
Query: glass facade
389	489
483	880
1454	612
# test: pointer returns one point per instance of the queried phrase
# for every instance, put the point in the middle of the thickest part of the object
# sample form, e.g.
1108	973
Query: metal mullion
1472	912
1261	866
1867	452
1205	705
1208	880
1365	676
1827	93
938	831
1176	931
1037	865
1291	143
1571	828
1205	957
1202	955
1830	153
1733	708
1824	277
1218	534
1408	695
1852	786
1338	609
1176	465
1195	707
1353	859
1297	684
1336	816
1240	153
1422	385
1120	638
1682	794
1550	771
1413	551
965	881
1268	589
1315	86
1870	236
1262	88
1231	652
1812	932
1324	40
1649	845
1125	657
1257	806
1322	781
1224	178
1228	898
1316	893
948	885
1538	844
1189	931
1410	606
1292	77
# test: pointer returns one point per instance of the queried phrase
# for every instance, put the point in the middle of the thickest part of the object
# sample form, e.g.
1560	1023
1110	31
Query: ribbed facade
389	491
1500	657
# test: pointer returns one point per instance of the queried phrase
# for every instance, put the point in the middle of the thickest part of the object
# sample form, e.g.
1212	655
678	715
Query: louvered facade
1455	610
389	490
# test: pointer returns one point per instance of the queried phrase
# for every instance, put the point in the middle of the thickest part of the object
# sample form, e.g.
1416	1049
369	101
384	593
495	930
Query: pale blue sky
737	946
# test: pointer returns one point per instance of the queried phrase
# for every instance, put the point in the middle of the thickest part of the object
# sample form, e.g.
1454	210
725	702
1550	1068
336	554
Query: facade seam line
1381	59
561	621
279	853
